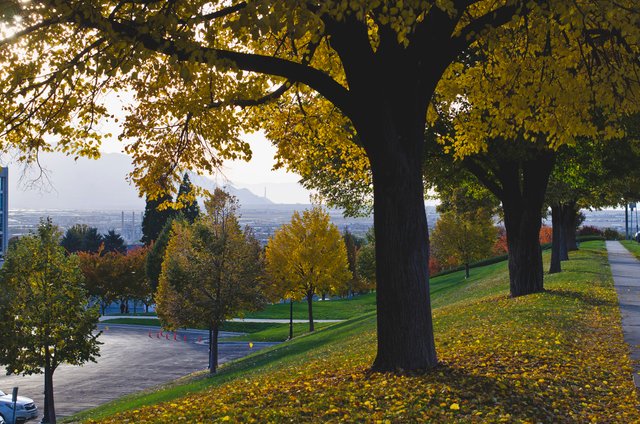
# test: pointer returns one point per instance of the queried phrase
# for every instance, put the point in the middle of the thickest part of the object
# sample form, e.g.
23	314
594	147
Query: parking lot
130	361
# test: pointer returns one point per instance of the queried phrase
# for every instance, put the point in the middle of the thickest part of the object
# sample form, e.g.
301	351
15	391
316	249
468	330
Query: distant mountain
90	185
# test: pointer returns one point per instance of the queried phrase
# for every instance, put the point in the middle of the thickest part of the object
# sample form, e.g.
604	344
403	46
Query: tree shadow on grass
523	402
584	297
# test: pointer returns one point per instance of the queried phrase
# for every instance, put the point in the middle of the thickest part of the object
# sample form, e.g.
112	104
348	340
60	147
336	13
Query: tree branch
189	51
493	19
253	102
483	176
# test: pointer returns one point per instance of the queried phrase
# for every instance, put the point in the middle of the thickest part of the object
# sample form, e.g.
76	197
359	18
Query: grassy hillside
556	356
632	246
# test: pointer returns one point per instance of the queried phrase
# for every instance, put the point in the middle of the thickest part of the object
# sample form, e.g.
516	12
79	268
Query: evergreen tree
186	197
81	238
113	242
155	256
353	245
92	240
154	220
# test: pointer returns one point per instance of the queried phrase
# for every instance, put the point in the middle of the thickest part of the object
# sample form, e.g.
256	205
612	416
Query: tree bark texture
558	239
310	310
524	188
213	349
466	270
49	415
405	329
569	222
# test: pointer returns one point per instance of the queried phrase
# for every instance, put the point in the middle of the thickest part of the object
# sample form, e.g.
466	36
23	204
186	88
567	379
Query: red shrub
546	234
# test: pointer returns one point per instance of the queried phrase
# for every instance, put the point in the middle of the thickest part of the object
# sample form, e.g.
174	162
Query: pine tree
186	197
154	220
153	266
113	242
81	238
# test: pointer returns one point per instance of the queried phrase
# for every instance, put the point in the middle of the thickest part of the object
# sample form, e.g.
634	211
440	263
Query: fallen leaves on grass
557	356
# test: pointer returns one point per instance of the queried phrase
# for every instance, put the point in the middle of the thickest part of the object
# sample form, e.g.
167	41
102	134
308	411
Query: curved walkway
625	269
265	320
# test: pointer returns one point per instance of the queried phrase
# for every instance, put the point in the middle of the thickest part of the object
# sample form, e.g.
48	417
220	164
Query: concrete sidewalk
625	269
265	320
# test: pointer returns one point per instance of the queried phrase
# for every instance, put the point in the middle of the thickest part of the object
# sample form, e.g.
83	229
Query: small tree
211	271
137	284
113	242
47	322
463	237
309	255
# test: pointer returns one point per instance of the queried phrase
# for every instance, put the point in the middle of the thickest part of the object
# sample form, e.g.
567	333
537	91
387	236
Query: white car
26	409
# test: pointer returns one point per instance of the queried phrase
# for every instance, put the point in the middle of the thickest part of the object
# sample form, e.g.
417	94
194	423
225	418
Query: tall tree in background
212	271
187	202
366	261
352	245
325	79
155	255
154	219
309	255
81	238
50	323
113	242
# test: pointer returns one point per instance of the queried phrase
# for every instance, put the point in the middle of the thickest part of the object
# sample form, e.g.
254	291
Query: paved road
626	276
130	361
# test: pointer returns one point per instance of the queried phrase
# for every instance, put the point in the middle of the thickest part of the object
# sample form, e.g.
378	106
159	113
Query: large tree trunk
558	239
569	222
310	310
405	329
49	415
213	349
524	186
564	252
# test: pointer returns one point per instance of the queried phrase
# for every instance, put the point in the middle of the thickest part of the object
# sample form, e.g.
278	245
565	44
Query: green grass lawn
632	246
556	356
327	309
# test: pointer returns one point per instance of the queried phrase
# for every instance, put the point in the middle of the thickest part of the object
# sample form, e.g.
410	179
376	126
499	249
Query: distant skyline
101	185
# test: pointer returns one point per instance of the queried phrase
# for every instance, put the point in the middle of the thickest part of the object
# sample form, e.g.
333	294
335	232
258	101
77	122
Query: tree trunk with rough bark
310	310
558	239
521	185
569	222
405	329
213	349
49	415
